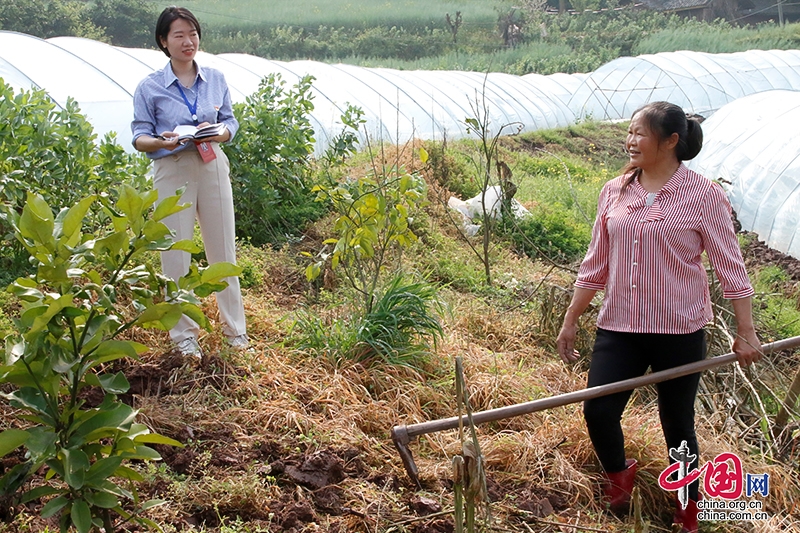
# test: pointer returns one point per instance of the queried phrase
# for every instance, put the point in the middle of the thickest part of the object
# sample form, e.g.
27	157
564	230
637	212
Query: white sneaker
239	342
190	347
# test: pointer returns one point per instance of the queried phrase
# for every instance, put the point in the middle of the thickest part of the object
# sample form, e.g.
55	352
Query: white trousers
208	189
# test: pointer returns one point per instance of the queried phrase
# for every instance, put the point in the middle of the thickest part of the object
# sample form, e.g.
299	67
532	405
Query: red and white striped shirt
648	258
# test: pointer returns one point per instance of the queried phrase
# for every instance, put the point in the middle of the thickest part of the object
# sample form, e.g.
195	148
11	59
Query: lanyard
192	107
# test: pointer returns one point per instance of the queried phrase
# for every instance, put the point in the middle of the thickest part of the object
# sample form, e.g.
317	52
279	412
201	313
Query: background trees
118	22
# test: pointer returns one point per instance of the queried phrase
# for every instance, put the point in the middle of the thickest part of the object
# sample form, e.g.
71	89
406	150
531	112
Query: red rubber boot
687	518
618	487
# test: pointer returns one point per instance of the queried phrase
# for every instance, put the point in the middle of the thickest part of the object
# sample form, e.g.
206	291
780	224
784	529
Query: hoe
402	435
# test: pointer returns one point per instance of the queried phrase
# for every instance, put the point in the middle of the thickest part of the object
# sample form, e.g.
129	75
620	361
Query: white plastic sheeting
398	105
700	83
753	146
63	74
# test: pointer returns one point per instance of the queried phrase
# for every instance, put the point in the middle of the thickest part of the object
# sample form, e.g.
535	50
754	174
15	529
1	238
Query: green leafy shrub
330	42
270	162
399	43
389	322
451	172
548	232
373	224
52	152
6	325
120	22
86	292
253	270
126	22
719	37
49	18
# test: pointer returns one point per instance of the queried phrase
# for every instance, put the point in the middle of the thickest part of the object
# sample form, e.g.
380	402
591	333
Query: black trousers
618	356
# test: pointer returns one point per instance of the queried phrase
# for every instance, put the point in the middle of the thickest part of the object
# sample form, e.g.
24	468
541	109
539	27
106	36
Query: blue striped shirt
159	107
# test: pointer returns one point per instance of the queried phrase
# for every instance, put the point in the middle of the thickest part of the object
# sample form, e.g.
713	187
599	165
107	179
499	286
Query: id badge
206	151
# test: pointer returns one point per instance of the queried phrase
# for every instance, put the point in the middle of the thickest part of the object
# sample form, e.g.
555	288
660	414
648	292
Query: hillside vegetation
497	35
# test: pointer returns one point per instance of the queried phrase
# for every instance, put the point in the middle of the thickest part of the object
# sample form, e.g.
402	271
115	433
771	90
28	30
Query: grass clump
399	329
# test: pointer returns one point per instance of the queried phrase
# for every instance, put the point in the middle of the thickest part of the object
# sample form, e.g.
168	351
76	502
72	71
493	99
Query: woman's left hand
747	348
217	138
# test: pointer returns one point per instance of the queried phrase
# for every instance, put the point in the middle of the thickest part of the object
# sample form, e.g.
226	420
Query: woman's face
646	150
182	41
642	144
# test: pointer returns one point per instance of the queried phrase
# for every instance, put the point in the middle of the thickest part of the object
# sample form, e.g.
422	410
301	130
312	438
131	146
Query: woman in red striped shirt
653	224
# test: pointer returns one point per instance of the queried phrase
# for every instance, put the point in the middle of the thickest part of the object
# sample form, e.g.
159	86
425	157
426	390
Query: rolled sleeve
144	120
226	116
722	246
593	272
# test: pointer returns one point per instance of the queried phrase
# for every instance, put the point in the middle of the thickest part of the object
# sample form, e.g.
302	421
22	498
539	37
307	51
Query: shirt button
635	264
634	286
635	241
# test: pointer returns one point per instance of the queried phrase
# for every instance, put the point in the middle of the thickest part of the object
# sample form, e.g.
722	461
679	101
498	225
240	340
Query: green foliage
548	232
442	262
413	15
120	22
331	43
126	22
374	219
720	37
491	173
48	18
6	325
775	303
396	331
86	292
449	171
584	5
390	322
269	162
397	42
374	211
51	152
251	275
566	43
616	31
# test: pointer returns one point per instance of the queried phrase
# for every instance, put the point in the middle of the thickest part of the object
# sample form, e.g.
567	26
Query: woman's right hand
566	343
149	143
169	140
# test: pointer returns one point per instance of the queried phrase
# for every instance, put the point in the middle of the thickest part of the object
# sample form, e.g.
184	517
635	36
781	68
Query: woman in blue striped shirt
184	93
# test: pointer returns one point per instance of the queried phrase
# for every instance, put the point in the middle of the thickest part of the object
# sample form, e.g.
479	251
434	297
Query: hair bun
694	138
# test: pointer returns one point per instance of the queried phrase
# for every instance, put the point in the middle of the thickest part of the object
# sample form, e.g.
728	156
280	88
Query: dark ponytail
693	142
